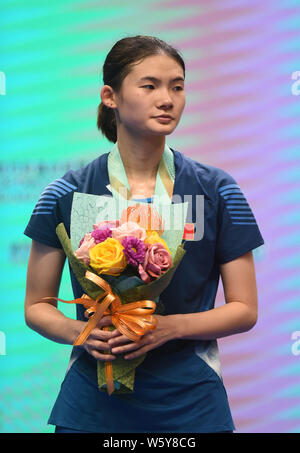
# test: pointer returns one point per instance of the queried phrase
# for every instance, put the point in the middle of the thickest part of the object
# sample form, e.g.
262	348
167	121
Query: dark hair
118	63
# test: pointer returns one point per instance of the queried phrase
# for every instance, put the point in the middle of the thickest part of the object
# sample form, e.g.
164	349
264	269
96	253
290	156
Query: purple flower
134	250
100	234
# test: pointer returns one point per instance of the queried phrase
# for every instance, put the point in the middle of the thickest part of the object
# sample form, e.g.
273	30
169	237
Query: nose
165	100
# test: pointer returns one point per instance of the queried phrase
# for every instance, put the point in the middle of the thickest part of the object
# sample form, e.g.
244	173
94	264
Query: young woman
178	387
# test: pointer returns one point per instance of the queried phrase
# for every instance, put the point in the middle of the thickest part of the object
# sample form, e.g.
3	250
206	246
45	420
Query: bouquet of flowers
113	246
123	265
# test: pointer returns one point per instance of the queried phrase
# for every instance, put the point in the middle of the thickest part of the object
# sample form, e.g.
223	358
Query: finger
105	321
99	345
112	333
135	354
120	340
103	357
104	335
115	333
122	349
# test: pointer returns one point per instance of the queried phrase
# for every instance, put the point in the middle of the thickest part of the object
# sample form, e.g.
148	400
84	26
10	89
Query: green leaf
123	374
77	266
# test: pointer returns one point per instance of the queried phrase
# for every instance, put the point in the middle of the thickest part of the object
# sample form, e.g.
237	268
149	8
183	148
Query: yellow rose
108	257
153	237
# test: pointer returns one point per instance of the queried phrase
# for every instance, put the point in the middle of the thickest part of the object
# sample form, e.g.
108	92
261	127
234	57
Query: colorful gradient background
242	115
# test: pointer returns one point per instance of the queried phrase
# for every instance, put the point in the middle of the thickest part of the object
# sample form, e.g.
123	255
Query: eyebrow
154	79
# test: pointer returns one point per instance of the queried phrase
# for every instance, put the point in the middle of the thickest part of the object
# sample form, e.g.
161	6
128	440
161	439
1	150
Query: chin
164	131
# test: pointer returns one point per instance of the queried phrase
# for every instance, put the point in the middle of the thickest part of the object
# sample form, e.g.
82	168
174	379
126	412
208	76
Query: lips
164	116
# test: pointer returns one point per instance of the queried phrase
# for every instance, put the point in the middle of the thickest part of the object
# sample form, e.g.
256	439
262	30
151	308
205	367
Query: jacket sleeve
47	213
237	229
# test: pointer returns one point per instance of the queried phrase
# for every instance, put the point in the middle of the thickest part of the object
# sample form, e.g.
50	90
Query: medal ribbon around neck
164	179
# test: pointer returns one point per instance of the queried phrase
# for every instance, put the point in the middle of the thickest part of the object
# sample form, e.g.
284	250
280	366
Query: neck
141	155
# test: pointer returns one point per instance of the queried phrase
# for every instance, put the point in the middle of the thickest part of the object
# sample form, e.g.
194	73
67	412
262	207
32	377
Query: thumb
105	321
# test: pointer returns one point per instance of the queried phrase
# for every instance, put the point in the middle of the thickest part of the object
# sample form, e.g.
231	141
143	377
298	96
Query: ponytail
106	122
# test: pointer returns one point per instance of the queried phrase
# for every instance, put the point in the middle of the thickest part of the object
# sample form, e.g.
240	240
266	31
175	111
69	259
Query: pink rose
156	262
103	224
82	253
129	229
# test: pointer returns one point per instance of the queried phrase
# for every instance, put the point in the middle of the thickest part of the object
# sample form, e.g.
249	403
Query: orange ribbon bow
133	319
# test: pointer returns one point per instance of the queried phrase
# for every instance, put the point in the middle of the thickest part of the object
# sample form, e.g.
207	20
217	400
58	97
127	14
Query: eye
179	88
145	86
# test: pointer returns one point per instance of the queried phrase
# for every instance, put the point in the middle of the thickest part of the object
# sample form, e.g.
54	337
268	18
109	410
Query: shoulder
80	180
55	202
212	179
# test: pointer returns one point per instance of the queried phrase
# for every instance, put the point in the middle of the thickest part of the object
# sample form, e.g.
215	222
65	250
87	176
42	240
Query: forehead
159	66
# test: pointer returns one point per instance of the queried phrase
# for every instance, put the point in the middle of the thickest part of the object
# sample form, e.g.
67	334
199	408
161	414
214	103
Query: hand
97	340
165	331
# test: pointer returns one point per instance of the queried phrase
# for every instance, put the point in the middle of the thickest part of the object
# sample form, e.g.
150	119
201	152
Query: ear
108	97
